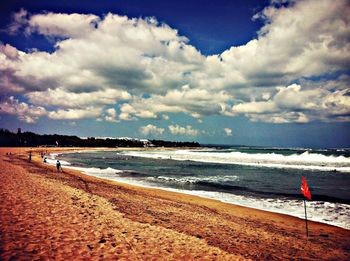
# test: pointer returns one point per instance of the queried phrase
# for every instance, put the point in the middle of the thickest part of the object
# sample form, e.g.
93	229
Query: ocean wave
195	180
323	208
305	160
51	160
336	214
97	171
217	183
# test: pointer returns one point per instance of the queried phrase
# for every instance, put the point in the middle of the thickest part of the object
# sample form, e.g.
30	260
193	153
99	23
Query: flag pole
307	230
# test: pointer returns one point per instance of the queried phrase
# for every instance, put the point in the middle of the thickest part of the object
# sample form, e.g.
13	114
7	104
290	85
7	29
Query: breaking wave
305	160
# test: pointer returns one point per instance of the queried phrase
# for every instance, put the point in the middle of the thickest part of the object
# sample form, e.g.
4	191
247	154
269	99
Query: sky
261	73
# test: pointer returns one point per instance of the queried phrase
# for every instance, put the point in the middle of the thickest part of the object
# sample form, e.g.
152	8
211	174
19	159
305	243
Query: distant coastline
30	139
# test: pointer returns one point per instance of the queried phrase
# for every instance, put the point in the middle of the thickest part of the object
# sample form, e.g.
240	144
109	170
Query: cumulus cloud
195	102
228	131
63	98
296	104
151	130
62	25
74	114
147	70
111	115
178	130
24	112
294	44
31	113
9	52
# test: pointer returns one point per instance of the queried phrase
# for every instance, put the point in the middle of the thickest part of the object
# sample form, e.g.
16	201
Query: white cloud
295	43
178	130
62	25
296	104
255	107
228	131
142	55
147	70
74	114
62	98
278	118
151	130
9	51
23	111
111	115
195	102
31	113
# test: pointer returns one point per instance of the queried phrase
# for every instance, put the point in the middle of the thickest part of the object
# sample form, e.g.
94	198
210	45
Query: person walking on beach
30	155
58	166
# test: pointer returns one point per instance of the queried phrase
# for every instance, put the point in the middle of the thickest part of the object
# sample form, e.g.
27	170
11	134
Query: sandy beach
70	216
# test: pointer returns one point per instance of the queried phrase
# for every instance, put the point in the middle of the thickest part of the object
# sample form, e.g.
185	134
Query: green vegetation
30	139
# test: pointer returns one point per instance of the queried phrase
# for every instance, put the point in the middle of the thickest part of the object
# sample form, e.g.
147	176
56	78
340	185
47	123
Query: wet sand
71	216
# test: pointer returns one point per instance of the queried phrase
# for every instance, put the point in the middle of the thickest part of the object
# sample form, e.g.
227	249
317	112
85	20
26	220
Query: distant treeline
30	139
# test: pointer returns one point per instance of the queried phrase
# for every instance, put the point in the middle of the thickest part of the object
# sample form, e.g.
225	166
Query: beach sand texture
71	216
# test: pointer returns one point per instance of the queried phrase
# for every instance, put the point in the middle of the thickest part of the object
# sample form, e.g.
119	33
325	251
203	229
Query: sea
257	177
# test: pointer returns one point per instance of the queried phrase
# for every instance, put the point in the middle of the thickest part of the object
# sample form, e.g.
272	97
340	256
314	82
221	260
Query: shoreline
218	196
231	229
67	150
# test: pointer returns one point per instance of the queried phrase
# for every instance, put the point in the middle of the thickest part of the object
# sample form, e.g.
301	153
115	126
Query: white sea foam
90	171
97	171
306	160
336	214
196	179
52	161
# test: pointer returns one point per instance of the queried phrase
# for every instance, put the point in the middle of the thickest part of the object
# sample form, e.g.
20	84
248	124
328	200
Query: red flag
305	189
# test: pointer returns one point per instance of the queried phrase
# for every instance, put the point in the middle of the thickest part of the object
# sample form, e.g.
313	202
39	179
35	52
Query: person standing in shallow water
58	166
